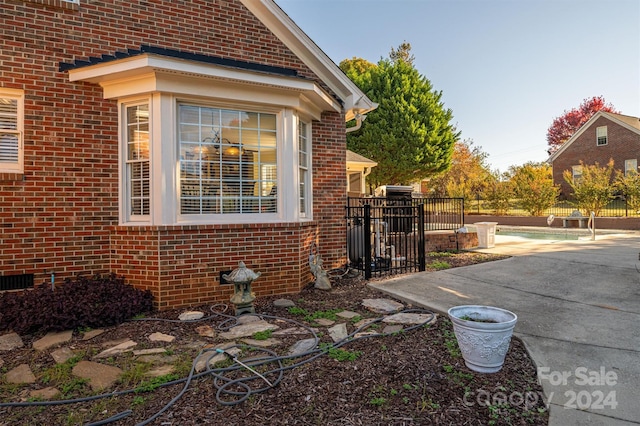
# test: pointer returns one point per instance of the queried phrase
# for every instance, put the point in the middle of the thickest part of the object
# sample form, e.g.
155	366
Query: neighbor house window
11	130
577	173
228	161
303	166
138	179
601	135
630	166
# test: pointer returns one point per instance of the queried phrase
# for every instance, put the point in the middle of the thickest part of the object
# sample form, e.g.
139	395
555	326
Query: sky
506	68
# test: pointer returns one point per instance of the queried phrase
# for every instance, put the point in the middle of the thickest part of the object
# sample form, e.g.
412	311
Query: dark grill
16	282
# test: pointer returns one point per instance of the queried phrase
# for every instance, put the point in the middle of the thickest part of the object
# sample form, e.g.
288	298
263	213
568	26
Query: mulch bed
415	377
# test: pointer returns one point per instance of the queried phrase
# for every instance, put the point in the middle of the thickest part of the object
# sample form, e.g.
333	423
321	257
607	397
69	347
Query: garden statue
315	264
243	296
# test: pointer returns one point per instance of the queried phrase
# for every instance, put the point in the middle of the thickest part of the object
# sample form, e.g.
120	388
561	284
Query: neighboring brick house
605	136
166	141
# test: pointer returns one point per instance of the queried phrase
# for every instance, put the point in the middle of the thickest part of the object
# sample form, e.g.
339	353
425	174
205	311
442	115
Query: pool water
542	235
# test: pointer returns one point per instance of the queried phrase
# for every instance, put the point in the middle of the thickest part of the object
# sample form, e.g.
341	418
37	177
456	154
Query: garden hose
227	388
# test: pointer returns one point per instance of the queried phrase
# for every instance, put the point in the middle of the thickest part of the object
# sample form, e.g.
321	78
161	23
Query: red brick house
605	136
166	141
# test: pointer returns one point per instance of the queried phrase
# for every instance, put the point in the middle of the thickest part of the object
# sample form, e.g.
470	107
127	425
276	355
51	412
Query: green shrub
94	302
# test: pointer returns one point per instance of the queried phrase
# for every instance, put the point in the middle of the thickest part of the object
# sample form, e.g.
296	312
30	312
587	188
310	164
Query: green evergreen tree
409	135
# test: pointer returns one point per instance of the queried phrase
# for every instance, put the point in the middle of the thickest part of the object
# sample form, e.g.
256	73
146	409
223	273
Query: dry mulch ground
412	377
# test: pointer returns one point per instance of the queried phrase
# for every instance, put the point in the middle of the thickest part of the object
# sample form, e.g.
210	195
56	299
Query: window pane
221	171
8	147
8	114
138	166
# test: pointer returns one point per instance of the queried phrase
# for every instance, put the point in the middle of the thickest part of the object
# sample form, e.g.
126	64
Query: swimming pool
551	235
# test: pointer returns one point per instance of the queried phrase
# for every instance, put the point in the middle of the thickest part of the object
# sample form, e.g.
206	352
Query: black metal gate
385	237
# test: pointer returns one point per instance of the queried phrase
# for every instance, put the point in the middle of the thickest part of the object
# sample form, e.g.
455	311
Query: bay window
137	171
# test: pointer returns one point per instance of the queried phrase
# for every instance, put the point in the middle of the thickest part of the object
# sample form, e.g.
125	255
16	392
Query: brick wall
622	145
61	214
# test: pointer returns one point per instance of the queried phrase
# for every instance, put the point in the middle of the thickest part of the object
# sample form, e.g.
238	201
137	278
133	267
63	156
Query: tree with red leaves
567	124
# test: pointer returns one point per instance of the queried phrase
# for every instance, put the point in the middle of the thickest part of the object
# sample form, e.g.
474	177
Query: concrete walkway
578	304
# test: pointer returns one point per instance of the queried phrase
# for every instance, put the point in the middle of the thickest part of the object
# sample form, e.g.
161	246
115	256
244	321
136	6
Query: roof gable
626	121
282	26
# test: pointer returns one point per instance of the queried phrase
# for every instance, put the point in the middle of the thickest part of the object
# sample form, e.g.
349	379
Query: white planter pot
483	344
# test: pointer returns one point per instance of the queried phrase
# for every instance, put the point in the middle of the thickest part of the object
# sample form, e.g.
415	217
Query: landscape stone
289	331
390	329
191	316
115	342
21	374
161	337
161	370
149	351
409	318
325	322
157	359
52	339
247	318
201	361
116	350
246	330
366	334
364	321
62	355
302	346
11	341
206	331
100	376
262	343
1	362
382	306
283	303
348	314
338	332
91	334
46	393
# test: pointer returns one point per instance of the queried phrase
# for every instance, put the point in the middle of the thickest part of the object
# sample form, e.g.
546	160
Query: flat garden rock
325	322
161	370
191	316
302	346
20	375
151	351
161	337
62	355
338	332
211	359
408	318
348	314
289	331
247	330
91	334
382	306
100	376
266	343
206	331
283	303
11	341
45	394
116	350
394	328
52	339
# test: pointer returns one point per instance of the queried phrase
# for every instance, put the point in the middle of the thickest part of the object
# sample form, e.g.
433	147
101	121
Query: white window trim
630	165
17	167
165	175
308	196
601	132
124	187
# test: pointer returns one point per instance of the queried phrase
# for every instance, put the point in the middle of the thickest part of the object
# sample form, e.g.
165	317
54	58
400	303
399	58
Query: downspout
359	119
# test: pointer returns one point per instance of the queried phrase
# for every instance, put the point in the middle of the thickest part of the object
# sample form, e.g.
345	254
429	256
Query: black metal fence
615	208
386	236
